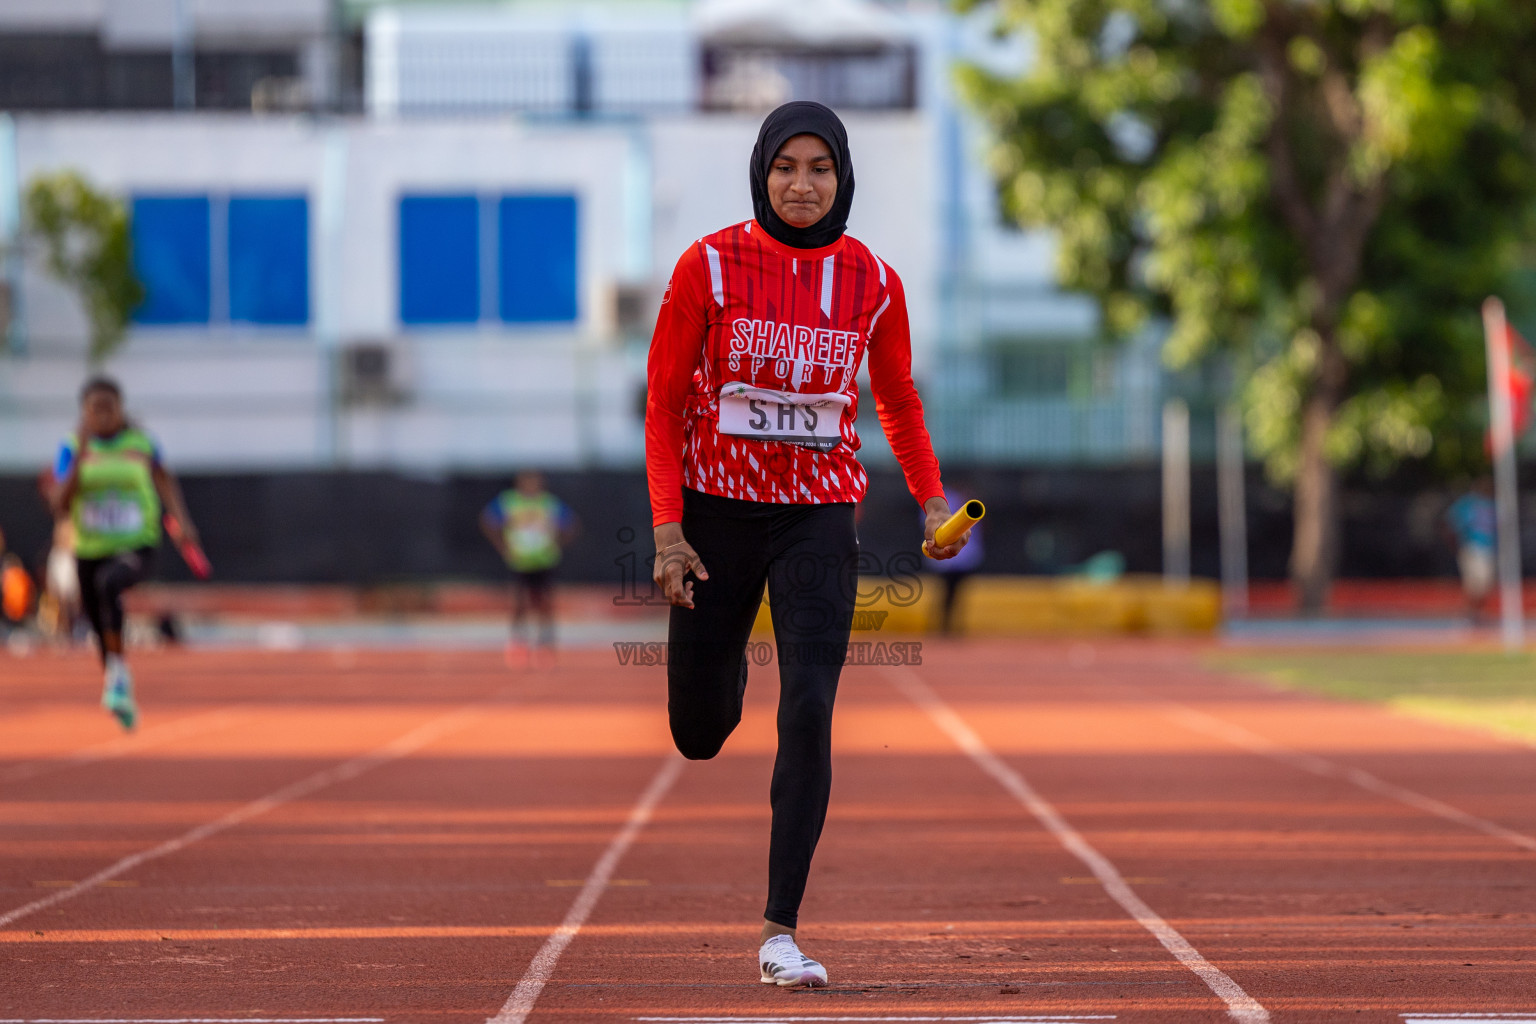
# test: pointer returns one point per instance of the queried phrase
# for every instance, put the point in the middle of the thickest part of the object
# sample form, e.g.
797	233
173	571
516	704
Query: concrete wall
482	396
379	161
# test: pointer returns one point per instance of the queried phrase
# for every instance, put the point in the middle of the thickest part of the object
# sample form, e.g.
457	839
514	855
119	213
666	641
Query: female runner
109	481
750	458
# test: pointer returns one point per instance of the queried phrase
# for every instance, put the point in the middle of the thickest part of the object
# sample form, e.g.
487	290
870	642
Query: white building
160	54
464	276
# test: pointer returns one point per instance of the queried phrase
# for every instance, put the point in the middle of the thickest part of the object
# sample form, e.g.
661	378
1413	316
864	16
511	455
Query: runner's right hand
675	558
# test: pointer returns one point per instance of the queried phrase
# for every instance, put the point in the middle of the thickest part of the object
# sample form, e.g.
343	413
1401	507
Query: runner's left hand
935	513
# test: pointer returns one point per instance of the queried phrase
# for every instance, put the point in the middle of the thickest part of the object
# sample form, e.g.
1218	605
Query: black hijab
802	118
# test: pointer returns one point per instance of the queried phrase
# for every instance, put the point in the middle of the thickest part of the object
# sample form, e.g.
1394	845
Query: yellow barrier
1033	606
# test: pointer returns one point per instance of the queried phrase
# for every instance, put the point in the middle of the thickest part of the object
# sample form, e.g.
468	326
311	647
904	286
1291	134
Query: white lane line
520	1003
1454	1018
191	1020
1238	736
1008	1019
191	725
1241	1006
401	746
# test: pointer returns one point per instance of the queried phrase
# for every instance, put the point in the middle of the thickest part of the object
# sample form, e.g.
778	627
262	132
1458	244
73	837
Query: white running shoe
783	964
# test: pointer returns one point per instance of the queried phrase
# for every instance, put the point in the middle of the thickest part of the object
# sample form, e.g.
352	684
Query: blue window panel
537	243
439	259
269	259
172	259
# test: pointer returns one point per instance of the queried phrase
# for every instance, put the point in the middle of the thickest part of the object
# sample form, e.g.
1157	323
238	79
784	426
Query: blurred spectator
528	526
1470	523
17	592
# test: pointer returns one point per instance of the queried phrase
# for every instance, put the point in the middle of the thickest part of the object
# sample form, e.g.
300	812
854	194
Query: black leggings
103	581
807	556
534	590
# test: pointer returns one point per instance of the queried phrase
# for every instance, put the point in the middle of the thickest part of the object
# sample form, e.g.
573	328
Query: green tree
1325	190
87	244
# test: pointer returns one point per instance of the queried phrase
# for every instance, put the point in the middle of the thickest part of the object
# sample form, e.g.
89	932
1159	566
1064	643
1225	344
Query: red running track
401	835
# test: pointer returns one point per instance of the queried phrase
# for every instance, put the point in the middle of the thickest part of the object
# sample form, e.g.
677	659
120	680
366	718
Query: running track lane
414	891
324	898
1337	861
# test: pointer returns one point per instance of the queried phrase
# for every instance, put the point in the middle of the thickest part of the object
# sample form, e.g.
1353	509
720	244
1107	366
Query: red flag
1522	384
1522	370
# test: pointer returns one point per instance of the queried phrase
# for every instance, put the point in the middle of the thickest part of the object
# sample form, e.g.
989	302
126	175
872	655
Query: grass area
1483	689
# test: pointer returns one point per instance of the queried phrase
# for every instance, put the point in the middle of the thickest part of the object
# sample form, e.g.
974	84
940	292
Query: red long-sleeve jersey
743	308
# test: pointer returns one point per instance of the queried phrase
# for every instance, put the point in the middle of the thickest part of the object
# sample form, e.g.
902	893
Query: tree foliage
1325	189
1298	181
86	238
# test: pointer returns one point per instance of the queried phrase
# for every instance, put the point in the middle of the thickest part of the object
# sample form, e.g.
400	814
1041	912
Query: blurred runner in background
111	483
528	527
1470	521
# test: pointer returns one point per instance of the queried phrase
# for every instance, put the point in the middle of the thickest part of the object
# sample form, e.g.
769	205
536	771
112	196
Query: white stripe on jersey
880	266
715	282
826	285
876	318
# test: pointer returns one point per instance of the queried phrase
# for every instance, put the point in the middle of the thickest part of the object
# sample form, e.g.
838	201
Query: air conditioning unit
372	373
634	309
277	94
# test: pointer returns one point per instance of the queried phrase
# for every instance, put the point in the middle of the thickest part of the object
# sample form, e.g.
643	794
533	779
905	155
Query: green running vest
532	529
116	508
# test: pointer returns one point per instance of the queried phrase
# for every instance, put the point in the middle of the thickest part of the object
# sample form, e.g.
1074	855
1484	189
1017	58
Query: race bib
813	421
109	513
531	538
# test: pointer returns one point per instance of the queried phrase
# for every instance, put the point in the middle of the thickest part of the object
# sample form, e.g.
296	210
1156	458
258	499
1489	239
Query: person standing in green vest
110	482
528	526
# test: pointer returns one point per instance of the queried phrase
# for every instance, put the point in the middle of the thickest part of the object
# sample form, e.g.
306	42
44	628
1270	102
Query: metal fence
1051	402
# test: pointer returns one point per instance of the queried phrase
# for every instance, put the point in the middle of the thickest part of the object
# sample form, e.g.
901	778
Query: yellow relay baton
957	525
